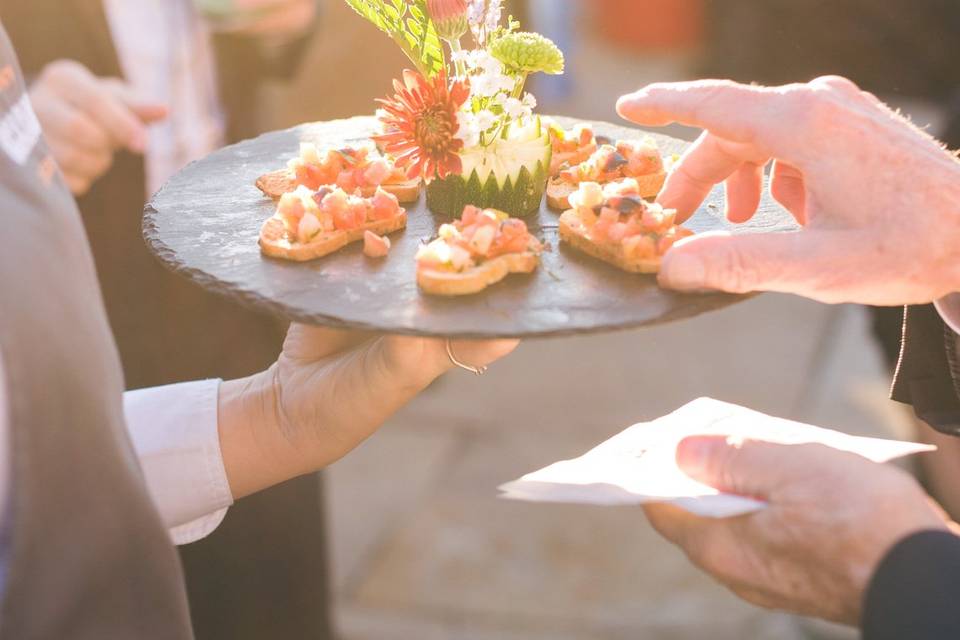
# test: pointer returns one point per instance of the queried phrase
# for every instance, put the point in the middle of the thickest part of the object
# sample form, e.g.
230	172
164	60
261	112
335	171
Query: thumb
748	468
795	262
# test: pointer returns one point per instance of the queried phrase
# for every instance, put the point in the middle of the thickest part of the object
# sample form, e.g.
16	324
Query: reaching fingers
788	187
744	189
64	122
99	103
148	112
734	111
814	263
709	161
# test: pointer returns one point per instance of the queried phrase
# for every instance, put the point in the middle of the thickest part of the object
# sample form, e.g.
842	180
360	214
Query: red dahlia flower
420	125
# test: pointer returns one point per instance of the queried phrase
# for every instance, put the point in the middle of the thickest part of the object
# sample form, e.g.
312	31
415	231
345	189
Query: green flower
525	52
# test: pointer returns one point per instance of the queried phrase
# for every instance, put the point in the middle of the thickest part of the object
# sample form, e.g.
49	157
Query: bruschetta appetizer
480	249
350	168
570	147
639	160
615	224
310	225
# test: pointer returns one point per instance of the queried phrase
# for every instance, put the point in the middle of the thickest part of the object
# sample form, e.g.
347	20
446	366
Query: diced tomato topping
306	174
640	247
347	181
480	239
652	220
335	203
385	205
586	136
509	244
334	162
634	226
617	232
470	215
353	216
376	172
375	246
609	215
599	230
308	228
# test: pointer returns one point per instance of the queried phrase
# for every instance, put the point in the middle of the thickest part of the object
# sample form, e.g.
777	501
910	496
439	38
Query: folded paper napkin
638	465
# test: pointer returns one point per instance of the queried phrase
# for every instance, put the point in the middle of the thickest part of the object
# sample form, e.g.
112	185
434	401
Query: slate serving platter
204	223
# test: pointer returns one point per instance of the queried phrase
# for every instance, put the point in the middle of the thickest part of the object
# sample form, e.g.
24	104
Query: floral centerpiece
462	120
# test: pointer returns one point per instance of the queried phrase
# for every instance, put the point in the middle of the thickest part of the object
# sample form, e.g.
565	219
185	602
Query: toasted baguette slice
475	280
558	191
277	183
275	243
575	234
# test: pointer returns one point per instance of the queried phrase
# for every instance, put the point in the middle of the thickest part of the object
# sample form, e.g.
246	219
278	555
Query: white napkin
638	465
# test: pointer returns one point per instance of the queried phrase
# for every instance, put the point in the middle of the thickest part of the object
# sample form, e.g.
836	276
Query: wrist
257	453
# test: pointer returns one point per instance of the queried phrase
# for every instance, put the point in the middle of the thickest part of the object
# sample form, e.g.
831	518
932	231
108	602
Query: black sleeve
927	375
915	592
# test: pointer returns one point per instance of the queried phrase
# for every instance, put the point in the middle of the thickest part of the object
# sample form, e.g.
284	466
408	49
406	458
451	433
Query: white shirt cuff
174	431
949	309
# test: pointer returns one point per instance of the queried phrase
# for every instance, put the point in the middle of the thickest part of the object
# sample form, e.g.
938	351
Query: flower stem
518	89
459	65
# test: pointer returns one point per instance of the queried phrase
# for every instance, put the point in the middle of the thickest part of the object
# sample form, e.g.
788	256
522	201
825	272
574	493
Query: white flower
529	101
506	83
468	131
463	55
494	13
486	85
514	109
484	61
475	12
485	120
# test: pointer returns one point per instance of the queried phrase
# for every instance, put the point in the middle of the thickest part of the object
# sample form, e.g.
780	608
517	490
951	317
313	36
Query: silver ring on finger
479	371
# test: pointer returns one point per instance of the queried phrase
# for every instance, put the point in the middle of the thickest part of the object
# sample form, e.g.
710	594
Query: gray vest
88	558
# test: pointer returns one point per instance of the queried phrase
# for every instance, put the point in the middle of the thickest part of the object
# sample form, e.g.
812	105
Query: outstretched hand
328	391
879	200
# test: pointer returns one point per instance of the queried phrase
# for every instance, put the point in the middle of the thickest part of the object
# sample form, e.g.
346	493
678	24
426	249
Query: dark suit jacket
262	573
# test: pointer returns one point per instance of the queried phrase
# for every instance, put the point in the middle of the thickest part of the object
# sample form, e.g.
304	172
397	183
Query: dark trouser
263	572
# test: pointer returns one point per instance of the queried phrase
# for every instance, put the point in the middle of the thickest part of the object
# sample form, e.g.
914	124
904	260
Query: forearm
913	592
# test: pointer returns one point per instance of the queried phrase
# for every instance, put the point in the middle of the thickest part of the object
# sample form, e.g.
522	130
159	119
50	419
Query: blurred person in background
904	51
128	92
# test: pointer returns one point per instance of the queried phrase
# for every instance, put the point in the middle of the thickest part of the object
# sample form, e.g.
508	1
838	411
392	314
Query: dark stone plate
205	222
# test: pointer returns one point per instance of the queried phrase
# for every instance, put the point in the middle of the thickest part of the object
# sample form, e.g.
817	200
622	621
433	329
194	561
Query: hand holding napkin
638	465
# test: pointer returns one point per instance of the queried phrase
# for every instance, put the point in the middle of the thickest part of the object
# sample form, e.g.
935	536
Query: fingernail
683	272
